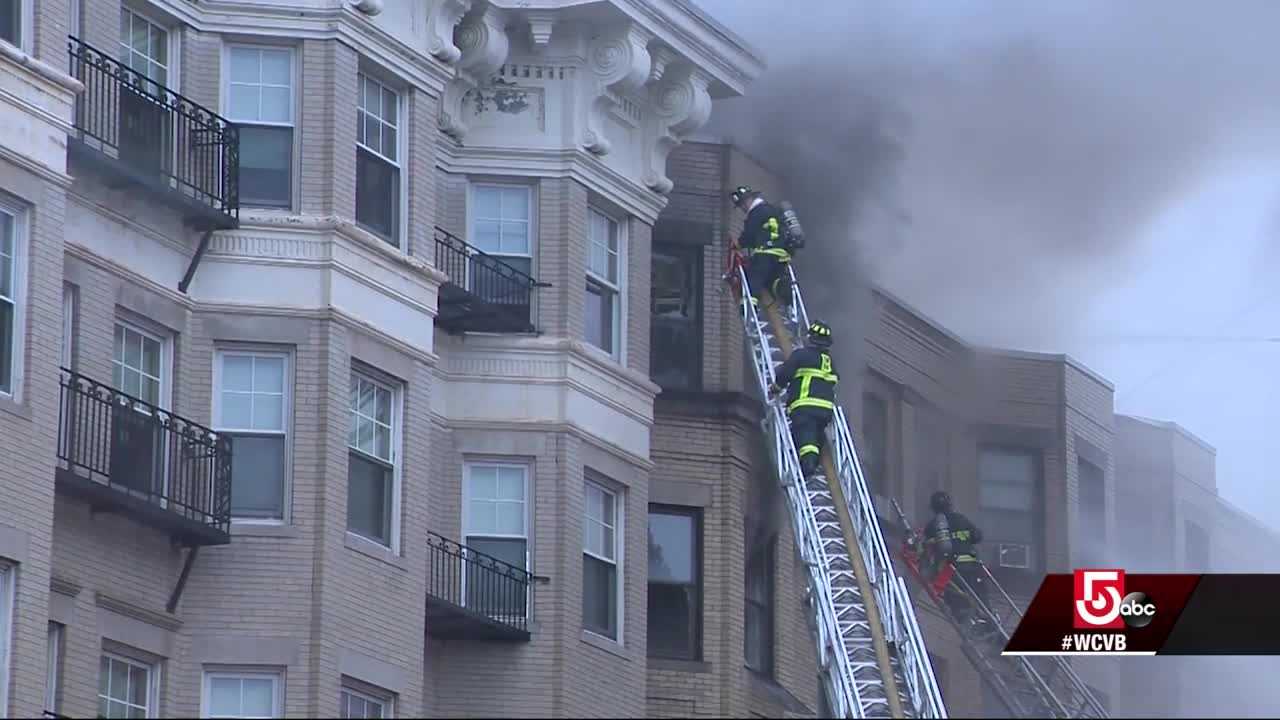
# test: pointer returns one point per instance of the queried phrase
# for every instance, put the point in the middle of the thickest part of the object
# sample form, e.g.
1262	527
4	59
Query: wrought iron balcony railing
471	594
125	454
155	137
487	294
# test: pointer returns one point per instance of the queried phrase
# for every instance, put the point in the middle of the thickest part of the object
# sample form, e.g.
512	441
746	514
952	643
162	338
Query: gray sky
1050	177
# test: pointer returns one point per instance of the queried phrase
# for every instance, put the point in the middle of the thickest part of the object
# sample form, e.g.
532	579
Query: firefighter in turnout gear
764	240
951	537
810	380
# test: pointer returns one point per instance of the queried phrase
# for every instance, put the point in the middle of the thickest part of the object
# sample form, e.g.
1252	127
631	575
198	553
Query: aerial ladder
871	653
1029	687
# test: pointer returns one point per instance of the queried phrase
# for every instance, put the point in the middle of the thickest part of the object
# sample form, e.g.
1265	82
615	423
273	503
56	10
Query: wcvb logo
1098	595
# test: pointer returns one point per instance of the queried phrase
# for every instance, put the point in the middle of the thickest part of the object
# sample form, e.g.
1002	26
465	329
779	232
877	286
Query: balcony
124	455
139	133
483	294
474	596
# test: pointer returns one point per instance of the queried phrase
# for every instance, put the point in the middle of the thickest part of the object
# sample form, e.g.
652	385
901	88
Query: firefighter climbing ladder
1041	687
870	650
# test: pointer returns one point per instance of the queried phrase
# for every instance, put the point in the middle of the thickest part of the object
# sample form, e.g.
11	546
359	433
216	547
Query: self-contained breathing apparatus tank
795	233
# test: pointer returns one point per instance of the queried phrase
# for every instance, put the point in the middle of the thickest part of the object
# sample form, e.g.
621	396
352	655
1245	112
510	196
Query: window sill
244	528
371	549
613	647
683	666
13	407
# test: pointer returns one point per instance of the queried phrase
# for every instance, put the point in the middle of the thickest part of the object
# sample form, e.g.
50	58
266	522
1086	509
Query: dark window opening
675	360
266	166
875	441
675	583
760	609
1009	509
378	195
11	21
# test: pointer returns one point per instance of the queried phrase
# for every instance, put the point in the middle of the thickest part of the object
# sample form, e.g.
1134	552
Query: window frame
19	215
349	688
220	352
8	597
153	679
401	229
697	515
397	424
619	546
618	289
295	75
472	217
166	357
882	485
276	676
53	665
172	49
993	539
767	555
467	523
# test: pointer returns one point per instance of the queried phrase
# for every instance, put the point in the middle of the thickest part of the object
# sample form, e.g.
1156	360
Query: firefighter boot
809	465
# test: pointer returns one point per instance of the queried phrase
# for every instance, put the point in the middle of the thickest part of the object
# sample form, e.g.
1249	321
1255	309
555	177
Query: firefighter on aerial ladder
950	537
810	380
769	235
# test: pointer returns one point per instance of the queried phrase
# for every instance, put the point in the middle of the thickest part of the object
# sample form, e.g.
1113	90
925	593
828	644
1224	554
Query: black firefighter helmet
940	502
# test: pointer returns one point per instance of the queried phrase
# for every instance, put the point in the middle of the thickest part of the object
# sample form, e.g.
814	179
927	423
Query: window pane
510	483
484	482
515	204
671	548
6	346
244	65
104	676
245	104
276	104
257	476
224	696
368	498
488	203
599	317
258	697
268	374
600	597
237	373
511	551
389	142
266	166
483	517
488	236
515	237
673	621
593	539
377	194
237	411
268	412
594	502
510	518
119	681
138	680
275	68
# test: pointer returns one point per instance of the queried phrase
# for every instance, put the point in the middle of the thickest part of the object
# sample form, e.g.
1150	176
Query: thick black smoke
996	162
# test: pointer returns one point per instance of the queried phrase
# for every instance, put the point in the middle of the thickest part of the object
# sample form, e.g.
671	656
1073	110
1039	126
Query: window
7	573
126	688
144	47
675	356
138	366
496	524
377	159
1009	507
242	695
356	704
373	505
1093	512
53	666
875	436
252	406
600	562
1197	547
11	290
675	582
260	100
11	22
604	298
759	608
502	224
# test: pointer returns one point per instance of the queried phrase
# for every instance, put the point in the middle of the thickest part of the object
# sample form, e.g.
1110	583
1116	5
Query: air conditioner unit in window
1014	555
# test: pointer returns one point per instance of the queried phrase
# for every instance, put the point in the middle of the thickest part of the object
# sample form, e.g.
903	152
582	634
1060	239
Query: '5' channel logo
1101	603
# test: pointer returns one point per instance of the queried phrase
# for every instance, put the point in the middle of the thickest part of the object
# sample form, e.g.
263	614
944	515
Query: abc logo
1137	610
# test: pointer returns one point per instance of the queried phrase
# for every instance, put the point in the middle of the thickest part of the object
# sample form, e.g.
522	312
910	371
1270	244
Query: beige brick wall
28	437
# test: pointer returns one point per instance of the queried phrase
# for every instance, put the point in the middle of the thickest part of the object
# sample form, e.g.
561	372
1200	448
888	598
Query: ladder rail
844	694
893	599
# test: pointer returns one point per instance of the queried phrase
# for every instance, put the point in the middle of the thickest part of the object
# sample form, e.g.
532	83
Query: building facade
324	351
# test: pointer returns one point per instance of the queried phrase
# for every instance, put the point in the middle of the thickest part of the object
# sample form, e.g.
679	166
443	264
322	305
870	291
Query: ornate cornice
483	42
681	104
618	59
541	24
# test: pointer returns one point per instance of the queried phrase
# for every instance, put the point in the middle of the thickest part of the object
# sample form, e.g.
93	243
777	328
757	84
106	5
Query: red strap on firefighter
733	261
